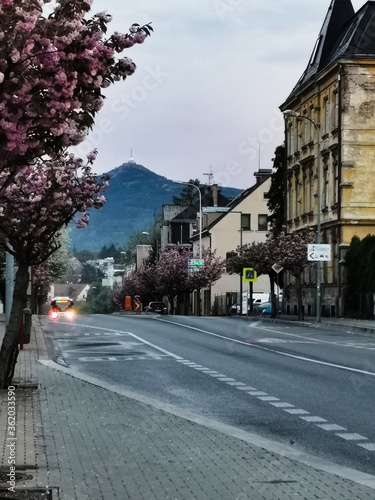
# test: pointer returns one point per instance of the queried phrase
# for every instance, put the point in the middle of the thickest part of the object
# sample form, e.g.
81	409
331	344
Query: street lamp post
290	112
200	214
156	242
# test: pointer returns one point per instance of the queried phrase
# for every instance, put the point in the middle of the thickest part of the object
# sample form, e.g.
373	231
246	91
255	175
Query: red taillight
54	315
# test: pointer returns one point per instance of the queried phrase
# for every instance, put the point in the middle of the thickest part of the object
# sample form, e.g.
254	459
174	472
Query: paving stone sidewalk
86	442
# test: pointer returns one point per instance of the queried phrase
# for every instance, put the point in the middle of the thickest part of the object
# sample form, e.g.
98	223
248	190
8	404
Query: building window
290	198
245	222
312	121
325	196
306	128
311	175
304	191
297	181
290	145
298	135
327	116
262	222
335	110
335	183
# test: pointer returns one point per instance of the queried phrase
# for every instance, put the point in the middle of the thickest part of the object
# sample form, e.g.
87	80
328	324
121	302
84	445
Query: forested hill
135	196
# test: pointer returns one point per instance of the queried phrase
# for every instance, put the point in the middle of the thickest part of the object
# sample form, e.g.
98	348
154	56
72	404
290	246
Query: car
265	308
157	307
235	308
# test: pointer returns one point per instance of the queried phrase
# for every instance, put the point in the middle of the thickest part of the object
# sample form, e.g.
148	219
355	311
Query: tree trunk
199	301
301	314
274	300
9	347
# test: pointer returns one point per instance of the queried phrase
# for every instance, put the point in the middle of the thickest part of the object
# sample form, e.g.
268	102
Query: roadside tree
207	275
52	72
43	275
41	200
288	250
173	278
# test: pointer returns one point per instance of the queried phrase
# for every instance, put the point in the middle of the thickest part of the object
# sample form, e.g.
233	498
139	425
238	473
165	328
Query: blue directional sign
249	275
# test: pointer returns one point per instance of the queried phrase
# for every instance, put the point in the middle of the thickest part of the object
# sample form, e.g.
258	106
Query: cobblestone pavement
77	440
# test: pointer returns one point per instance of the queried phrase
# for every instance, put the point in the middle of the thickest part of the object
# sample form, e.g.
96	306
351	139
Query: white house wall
226	235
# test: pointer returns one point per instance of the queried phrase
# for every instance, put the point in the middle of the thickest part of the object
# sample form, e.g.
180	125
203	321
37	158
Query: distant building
76	291
242	221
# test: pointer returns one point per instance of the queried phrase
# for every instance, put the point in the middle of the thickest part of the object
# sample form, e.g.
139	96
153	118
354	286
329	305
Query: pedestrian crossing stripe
125	358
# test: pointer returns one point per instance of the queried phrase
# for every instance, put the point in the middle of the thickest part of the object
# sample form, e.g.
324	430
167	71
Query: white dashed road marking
287	407
351	436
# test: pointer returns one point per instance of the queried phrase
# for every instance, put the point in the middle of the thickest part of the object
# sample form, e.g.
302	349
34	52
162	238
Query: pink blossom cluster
170	276
43	198
52	73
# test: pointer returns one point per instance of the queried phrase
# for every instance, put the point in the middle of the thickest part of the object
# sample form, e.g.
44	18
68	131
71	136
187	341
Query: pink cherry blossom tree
53	70
288	250
173	278
36	205
170	277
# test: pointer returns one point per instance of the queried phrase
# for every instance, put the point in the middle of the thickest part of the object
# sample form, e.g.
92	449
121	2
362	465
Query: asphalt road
311	388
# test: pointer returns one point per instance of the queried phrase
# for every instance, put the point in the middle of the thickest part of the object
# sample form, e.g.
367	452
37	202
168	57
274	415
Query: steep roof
342	34
207	201
235	202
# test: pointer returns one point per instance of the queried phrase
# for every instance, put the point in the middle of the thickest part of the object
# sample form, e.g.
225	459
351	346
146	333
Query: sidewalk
77	440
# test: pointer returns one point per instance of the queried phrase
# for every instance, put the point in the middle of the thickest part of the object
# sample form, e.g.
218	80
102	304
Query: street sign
277	268
317	253
248	274
195	265
196	262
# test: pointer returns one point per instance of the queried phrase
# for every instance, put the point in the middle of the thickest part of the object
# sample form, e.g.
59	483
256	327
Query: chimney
262	174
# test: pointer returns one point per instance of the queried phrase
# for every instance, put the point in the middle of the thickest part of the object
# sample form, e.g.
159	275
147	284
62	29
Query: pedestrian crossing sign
249	275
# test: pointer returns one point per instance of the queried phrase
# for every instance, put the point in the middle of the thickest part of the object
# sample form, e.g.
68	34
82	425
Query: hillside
134	197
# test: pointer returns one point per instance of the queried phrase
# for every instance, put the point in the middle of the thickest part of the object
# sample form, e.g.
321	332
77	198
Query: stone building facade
330	144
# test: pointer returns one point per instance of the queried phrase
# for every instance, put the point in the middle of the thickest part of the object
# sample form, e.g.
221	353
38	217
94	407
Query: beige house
242	221
330	143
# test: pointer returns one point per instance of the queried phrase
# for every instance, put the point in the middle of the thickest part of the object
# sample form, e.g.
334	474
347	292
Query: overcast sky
208	85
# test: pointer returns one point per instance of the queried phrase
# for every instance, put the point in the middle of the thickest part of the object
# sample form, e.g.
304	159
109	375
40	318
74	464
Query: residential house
330	142
242	221
180	223
76	291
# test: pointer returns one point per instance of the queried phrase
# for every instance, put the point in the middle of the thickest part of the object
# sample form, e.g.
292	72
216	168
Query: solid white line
280	353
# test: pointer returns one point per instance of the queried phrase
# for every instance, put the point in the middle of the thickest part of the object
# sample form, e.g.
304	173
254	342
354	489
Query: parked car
157	307
265	308
235	308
